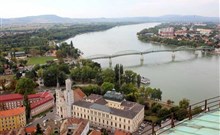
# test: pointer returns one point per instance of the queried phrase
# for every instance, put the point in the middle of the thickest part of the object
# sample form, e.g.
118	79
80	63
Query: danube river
194	78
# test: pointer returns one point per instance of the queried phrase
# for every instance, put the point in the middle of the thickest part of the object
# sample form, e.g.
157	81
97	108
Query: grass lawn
39	60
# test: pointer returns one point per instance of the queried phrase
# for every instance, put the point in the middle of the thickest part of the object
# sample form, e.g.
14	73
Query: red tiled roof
121	132
12	112
30	129
95	132
9	97
46	96
78	94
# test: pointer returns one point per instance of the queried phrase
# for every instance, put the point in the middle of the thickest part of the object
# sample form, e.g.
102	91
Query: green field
39	60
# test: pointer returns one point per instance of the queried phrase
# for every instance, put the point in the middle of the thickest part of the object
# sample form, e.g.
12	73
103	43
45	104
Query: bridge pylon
196	53
142	59
110	62
173	56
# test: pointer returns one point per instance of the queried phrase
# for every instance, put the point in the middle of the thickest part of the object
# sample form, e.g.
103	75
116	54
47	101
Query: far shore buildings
166	32
12	119
40	102
110	111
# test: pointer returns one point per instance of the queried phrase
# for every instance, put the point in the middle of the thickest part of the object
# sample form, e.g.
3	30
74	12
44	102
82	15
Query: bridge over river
204	49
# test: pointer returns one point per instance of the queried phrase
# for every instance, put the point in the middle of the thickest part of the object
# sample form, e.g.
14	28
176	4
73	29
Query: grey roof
113	95
83	103
101	108
130	111
94	97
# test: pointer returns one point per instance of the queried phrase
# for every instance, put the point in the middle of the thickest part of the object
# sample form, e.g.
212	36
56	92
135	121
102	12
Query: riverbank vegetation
39	39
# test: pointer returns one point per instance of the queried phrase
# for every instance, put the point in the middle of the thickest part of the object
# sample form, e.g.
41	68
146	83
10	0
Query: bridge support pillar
196	53
204	52
142	59
173	56
110	62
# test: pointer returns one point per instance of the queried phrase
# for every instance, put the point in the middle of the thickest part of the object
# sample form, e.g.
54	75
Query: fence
192	111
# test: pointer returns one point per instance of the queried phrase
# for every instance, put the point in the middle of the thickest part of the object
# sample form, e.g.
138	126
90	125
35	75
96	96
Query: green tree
91	89
25	85
40	73
108	75
197	110
76	74
181	114
51	74
130	77
27	107
156	94
38	130
163	113
107	86
155	107
138	81
184	103
128	88
31	74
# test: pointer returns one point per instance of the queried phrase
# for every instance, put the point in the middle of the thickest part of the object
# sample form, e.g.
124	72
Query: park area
39	60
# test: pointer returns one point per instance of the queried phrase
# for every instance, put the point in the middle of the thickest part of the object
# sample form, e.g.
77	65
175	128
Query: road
49	116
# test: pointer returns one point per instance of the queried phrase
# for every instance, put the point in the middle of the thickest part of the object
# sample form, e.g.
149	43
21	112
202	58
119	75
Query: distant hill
58	19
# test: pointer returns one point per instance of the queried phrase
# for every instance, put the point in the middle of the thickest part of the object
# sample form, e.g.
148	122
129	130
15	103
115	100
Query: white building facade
110	112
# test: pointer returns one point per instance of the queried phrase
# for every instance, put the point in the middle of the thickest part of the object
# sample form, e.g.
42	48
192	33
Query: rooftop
121	132
131	109
203	124
9	97
12	112
95	132
113	95
76	124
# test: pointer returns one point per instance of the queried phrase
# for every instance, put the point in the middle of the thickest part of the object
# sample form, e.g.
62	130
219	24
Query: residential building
65	99
12	119
18	55
166	32
74	126
206	32
40	102
110	111
180	33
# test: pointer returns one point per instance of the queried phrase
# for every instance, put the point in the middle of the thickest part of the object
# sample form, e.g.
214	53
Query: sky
108	8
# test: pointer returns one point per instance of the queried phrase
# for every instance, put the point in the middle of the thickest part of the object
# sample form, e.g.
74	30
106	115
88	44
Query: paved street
49	116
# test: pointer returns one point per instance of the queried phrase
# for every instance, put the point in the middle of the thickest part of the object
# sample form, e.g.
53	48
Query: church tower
69	97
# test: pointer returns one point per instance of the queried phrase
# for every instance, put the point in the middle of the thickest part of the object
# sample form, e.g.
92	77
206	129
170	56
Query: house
74	126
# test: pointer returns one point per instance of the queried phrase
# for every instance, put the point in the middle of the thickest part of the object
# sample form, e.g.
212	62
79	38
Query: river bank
186	77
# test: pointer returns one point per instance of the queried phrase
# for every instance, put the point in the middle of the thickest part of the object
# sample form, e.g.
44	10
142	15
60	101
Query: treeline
171	41
42	37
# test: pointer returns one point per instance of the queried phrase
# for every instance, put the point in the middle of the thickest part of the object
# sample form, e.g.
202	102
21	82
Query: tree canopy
25	85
